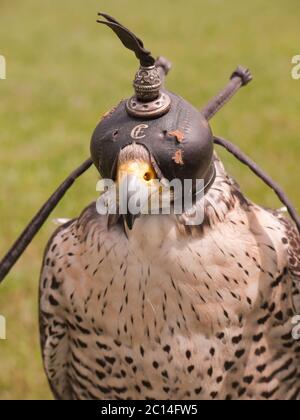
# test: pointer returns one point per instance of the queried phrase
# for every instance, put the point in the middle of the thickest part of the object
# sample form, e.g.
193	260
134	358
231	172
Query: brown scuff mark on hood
110	111
178	157
178	134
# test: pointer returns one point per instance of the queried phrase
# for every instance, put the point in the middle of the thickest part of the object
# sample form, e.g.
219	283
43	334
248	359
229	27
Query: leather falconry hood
177	136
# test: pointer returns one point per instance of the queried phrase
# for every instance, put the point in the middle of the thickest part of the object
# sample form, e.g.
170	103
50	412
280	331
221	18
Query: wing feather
292	241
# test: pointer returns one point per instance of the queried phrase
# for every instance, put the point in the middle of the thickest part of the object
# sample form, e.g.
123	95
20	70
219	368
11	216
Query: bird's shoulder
78	242
284	234
75	234
291	241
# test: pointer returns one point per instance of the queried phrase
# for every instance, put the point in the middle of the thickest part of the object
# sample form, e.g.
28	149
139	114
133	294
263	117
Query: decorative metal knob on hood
149	100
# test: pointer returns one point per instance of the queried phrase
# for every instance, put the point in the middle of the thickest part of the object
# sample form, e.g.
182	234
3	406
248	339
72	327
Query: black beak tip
130	219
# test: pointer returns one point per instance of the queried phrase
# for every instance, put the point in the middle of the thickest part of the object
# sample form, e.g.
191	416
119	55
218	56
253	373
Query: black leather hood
180	141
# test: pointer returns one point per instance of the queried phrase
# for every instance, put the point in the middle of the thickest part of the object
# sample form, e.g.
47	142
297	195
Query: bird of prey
170	311
154	306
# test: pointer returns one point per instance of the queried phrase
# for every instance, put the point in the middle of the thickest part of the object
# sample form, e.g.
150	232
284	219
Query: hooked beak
133	180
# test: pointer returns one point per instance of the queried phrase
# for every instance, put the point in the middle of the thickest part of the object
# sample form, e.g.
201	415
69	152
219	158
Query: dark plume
129	40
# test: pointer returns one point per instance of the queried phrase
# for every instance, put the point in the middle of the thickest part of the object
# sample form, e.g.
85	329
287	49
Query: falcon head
175	137
177	145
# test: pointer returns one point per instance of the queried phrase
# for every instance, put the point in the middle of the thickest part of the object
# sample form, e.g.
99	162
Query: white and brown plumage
168	311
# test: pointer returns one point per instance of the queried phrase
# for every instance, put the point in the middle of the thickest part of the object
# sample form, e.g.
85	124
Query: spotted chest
161	315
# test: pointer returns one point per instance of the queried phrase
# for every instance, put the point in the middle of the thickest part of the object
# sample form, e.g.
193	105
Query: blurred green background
64	72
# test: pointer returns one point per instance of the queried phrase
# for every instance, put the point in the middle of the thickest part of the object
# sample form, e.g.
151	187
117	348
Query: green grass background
64	72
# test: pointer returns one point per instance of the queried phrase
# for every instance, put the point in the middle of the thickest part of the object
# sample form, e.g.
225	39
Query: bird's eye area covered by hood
179	142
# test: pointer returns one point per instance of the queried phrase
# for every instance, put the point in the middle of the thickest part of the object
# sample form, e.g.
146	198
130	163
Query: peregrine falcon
152	306
170	311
